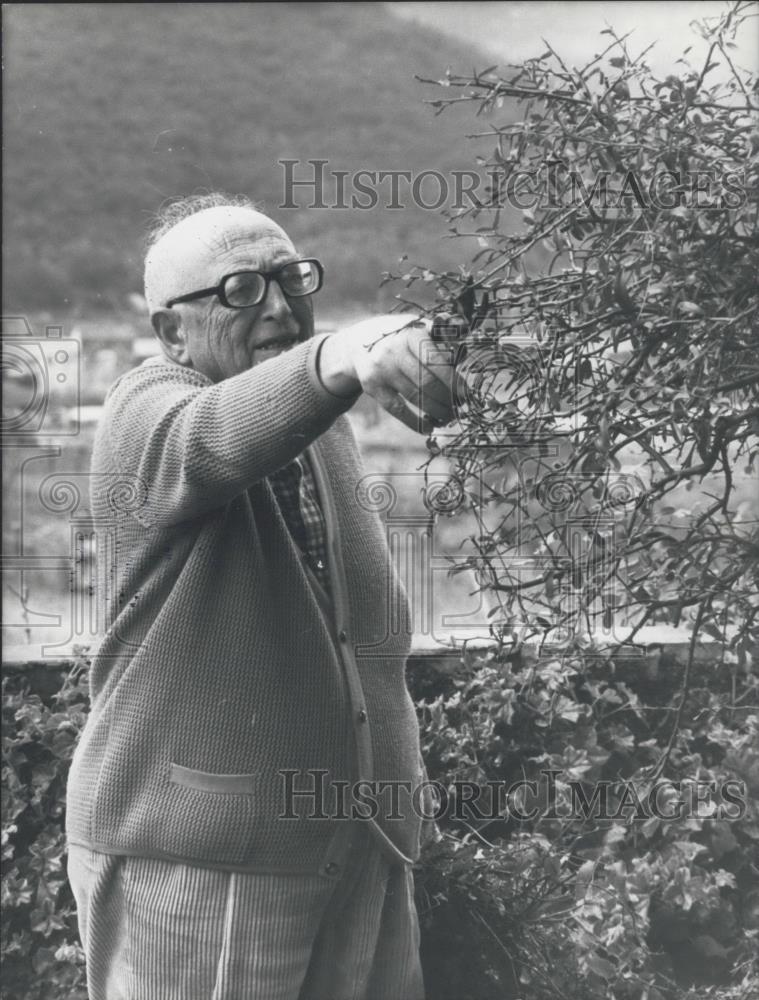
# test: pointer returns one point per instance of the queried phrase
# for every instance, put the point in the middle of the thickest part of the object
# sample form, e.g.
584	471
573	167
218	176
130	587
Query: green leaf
706	945
690	308
601	966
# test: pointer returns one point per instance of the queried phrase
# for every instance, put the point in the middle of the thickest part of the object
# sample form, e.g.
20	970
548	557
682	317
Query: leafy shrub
606	441
43	713
605	451
576	904
575	908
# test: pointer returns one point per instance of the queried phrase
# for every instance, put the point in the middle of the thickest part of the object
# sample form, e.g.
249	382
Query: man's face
222	342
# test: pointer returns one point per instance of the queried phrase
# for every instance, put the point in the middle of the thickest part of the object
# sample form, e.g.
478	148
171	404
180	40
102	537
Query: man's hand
409	374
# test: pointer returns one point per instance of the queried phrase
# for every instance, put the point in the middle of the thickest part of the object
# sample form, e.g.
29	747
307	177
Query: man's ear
168	327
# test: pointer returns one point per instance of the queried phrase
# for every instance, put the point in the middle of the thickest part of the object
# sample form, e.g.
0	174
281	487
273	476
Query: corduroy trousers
158	930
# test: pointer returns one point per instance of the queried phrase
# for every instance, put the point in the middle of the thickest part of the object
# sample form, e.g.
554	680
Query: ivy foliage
554	907
43	714
652	892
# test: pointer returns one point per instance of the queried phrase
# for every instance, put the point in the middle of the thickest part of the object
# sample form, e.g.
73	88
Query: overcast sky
512	31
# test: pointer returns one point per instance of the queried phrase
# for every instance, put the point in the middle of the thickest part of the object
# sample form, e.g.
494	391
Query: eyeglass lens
249	287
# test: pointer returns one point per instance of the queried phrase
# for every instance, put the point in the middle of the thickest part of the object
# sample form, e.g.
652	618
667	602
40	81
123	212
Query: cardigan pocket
206	781
232	819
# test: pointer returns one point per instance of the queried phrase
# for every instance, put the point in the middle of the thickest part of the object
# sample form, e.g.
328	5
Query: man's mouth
274	345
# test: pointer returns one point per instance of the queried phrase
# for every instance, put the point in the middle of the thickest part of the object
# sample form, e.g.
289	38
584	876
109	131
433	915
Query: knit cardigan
221	679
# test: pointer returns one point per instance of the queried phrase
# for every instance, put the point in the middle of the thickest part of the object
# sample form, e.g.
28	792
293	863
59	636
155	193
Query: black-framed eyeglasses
243	289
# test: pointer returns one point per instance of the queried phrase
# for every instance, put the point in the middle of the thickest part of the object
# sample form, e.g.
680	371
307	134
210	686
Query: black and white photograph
380	569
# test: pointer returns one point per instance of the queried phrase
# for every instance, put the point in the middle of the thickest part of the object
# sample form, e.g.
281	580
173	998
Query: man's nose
277	306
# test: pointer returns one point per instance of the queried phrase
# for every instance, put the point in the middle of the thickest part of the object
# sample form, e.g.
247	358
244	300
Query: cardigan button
342	635
332	868
362	716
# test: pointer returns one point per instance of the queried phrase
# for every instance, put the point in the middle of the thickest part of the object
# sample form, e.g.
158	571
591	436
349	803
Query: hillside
111	108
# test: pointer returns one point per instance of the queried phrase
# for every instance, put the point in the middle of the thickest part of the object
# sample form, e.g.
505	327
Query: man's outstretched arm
195	445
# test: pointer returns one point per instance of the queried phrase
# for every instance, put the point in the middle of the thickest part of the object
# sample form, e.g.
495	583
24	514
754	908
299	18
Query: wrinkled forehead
199	250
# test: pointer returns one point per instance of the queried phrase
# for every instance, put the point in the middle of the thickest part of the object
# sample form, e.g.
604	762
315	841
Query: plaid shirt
295	490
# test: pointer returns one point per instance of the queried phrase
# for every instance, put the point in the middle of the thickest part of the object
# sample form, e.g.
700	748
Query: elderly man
249	680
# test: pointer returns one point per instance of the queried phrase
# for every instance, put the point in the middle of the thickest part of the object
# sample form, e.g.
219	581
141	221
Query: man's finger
398	407
430	397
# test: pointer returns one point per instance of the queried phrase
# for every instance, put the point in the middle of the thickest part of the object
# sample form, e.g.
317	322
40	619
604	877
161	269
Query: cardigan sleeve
195	445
